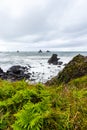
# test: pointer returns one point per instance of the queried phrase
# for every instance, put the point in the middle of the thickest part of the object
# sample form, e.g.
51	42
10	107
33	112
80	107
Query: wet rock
47	51
59	66
40	51
53	60
2	74
17	73
1	71
33	76
28	66
16	70
33	72
60	62
64	64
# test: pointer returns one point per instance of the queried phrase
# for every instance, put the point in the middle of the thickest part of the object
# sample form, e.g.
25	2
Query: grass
38	107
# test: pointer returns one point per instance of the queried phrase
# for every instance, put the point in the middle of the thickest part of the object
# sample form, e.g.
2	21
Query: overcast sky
58	25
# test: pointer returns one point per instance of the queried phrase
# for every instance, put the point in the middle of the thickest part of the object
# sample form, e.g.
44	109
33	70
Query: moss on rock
76	68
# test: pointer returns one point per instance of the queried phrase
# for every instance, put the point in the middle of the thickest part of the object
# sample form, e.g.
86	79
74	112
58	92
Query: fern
38	107
32	115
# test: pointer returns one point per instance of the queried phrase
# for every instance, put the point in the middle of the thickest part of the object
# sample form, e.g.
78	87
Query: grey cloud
39	20
53	20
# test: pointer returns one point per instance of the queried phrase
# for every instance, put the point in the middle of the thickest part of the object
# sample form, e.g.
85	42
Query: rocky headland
76	68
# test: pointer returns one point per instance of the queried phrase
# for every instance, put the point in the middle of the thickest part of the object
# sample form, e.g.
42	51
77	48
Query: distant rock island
47	51
17	51
40	51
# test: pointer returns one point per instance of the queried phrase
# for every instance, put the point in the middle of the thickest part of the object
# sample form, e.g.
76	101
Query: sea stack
40	51
53	60
47	51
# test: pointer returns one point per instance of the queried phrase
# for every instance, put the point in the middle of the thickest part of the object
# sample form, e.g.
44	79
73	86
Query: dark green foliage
79	82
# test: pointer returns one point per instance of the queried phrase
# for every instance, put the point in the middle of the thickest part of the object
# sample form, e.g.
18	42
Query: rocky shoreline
15	73
77	67
19	72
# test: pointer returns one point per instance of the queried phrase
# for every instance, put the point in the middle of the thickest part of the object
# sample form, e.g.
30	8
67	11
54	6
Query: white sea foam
40	69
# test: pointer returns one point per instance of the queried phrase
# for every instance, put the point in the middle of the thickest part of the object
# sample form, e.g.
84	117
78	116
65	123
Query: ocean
40	69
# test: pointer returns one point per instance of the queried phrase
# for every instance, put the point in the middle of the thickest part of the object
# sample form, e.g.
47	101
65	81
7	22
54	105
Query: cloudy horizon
29	25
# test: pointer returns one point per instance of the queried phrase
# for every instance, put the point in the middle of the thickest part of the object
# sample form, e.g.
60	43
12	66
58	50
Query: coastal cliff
76	68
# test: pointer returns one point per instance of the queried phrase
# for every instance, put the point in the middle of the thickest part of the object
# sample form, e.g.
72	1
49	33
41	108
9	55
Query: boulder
60	62
17	73
76	68
16	69
1	71
2	74
53	60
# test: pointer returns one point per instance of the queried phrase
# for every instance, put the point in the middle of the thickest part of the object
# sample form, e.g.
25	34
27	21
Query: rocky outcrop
1	71
40	51
60	62
47	51
76	68
15	73
54	60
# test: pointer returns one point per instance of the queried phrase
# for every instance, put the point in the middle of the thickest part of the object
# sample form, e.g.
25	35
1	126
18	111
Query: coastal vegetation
38	107
76	68
60	104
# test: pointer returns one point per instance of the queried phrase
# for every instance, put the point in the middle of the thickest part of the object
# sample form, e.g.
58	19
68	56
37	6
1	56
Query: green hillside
37	107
